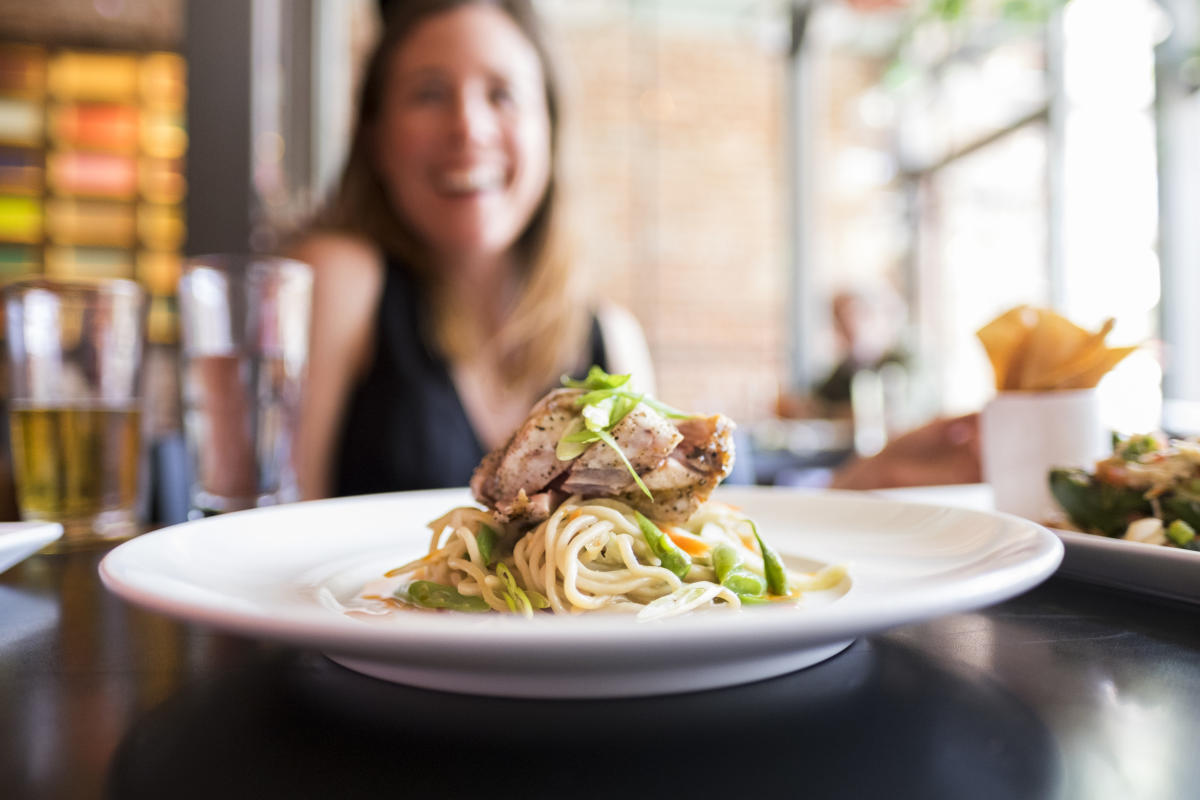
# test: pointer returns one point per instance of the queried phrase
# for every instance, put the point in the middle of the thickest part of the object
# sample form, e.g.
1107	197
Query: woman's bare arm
348	278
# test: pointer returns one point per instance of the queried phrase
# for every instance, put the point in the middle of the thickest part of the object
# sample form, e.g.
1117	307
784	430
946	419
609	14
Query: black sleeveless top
405	426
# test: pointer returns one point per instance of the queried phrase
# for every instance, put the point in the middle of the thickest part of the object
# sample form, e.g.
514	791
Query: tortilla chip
1092	375
1092	352
1053	341
1003	337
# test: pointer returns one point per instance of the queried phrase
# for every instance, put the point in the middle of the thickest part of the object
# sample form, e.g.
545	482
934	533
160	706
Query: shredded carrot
688	543
574	515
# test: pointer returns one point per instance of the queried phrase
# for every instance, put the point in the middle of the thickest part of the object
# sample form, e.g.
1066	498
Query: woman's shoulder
335	251
347	269
625	346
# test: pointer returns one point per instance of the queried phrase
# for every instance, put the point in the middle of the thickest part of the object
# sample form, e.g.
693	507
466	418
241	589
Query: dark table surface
1068	691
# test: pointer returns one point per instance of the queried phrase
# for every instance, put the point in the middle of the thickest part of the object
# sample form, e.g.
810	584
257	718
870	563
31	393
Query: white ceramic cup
1026	434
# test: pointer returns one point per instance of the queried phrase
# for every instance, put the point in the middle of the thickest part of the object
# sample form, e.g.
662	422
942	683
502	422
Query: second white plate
264	572
1133	566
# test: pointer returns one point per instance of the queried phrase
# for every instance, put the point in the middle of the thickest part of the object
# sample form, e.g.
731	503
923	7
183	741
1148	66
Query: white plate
261	573
19	540
1134	566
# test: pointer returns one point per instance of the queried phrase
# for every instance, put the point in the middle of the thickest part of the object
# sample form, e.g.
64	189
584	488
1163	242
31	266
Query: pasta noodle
590	555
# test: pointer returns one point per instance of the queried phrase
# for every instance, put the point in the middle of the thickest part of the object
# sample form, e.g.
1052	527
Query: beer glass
245	327
75	362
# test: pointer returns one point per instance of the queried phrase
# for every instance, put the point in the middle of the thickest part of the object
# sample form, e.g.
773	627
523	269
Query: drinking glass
245	326
75	361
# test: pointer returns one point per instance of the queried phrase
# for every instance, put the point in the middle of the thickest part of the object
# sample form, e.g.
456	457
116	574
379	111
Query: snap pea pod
485	539
777	581
732	575
428	594
669	554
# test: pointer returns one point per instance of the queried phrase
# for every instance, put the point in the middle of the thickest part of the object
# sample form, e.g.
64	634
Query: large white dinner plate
1133	566
18	540
265	572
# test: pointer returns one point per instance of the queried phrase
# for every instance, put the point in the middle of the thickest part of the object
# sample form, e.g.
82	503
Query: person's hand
944	451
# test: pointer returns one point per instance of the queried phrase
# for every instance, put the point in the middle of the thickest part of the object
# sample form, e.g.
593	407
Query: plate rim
977	591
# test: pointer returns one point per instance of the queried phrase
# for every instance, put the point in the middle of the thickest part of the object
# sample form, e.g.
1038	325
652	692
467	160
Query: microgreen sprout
605	403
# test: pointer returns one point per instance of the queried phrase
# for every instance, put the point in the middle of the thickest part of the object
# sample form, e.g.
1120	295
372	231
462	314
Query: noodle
589	555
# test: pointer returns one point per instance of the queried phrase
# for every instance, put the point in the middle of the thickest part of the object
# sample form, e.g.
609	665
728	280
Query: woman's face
463	140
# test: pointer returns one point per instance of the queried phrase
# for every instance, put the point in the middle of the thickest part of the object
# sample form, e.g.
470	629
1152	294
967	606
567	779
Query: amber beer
77	465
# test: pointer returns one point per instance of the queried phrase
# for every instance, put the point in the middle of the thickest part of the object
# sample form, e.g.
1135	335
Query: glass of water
245	327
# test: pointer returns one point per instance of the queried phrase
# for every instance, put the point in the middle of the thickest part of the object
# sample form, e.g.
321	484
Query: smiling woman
445	303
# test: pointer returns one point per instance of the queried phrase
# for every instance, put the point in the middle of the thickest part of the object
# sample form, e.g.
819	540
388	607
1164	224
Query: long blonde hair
543	332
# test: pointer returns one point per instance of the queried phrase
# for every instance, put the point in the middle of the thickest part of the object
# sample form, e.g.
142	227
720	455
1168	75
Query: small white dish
264	573
1133	566
19	540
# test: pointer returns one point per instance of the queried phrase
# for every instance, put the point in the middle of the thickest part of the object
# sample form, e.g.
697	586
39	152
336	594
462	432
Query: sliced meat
528	461
678	491
680	463
527	510
687	479
707	443
483	479
644	436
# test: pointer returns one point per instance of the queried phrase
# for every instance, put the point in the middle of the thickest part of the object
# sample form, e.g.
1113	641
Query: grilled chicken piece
644	436
527	464
686	480
681	462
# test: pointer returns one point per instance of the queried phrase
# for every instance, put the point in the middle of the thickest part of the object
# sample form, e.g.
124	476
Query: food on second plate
1035	349
1148	490
598	502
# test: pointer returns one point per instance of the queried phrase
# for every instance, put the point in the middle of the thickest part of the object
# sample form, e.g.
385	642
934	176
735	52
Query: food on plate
1035	349
1148	490
598	501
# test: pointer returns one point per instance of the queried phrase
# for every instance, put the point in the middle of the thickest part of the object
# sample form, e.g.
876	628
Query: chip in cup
1035	349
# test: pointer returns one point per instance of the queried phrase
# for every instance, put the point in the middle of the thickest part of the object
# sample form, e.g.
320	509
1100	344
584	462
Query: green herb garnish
596	379
516	598
604	404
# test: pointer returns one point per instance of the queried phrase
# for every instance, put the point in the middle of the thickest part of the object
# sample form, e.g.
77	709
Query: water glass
245	327
75	363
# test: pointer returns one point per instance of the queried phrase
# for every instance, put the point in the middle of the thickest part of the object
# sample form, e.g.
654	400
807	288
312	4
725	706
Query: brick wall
676	162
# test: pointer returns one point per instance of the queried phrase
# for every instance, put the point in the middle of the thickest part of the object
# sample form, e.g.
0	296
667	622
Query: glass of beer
245	326
75	363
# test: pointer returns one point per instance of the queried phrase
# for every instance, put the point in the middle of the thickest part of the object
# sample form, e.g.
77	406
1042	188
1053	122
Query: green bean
777	581
428	594
669	554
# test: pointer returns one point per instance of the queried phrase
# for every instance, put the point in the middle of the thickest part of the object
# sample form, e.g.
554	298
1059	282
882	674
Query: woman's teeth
467	181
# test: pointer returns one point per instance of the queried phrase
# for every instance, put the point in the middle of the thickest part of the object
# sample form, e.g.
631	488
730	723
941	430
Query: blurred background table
1069	691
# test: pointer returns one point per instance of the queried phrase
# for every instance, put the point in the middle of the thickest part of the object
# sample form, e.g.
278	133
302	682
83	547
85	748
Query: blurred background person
445	300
